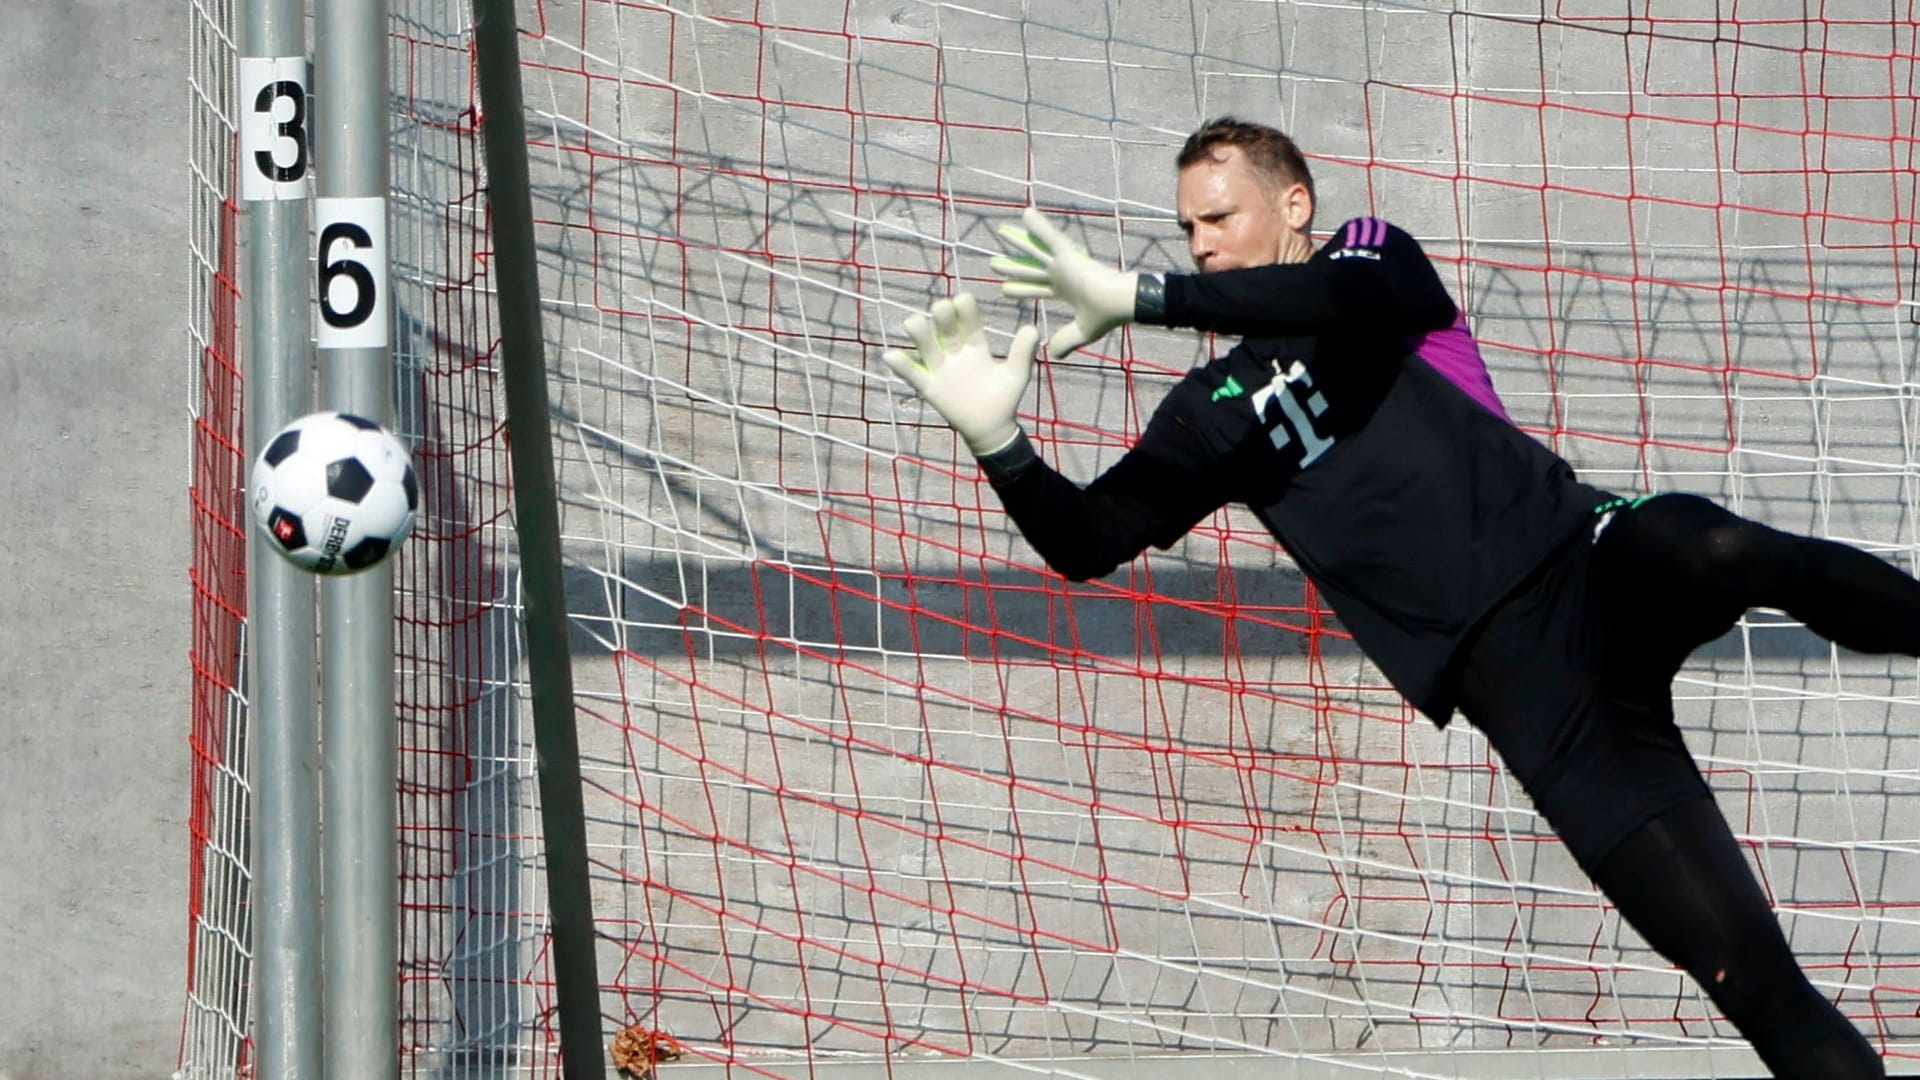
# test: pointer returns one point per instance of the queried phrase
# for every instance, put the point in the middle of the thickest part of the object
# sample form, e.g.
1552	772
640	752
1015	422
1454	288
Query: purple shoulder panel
1453	353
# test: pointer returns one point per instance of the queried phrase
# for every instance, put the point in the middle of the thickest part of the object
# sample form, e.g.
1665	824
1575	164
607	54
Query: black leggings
1681	881
1571	681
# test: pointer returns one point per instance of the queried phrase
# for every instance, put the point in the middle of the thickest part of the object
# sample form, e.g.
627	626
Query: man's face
1234	218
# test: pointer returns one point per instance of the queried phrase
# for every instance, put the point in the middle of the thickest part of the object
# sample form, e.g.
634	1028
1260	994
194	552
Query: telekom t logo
1293	421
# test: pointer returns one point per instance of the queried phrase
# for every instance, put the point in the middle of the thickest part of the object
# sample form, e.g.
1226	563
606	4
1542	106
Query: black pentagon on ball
286	530
348	480
283	445
366	552
360	422
413	490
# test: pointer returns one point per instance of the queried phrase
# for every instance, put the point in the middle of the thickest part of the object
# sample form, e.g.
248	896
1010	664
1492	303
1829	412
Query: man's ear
1296	206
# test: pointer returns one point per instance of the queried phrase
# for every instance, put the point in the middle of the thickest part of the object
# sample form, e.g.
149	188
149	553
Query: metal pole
537	521
356	375
274	187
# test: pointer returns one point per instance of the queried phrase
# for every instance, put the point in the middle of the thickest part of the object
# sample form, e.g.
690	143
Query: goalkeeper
1355	418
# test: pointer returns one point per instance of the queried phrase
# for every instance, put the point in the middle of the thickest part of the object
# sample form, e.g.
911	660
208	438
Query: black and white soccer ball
334	493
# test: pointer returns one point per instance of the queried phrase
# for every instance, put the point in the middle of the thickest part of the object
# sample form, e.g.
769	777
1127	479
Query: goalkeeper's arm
1084	533
1385	286
1371	277
1153	495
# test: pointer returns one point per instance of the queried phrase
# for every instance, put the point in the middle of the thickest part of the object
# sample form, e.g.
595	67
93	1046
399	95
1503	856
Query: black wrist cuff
1005	465
1150	300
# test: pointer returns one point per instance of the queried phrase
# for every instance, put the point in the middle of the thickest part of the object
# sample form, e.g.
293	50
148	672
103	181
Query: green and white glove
954	368
1051	266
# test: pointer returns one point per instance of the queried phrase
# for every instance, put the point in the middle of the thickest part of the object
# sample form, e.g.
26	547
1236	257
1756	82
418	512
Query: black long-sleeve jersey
1356	420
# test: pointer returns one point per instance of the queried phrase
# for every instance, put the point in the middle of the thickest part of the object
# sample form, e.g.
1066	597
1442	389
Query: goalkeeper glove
1051	266
952	367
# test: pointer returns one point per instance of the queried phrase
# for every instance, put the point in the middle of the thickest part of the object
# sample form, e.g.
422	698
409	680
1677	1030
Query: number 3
292	129
272	91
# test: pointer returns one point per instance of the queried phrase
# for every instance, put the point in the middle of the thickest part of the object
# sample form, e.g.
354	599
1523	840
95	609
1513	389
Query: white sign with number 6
352	261
273	128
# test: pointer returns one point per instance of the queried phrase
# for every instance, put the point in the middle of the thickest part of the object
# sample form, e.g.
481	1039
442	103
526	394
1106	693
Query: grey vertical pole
285	860
354	341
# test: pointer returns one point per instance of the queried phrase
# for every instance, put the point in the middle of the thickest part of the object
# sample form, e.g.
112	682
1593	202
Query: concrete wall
93	561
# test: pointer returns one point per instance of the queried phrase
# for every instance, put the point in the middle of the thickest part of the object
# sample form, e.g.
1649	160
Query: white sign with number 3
273	128
352	262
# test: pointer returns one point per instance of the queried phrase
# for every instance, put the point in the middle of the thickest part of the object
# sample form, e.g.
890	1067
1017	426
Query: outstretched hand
1052	266
954	369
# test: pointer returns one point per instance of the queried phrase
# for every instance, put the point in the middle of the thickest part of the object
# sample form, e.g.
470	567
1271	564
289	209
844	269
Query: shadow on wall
1008	614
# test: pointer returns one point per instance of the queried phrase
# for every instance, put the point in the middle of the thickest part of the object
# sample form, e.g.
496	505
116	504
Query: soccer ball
334	493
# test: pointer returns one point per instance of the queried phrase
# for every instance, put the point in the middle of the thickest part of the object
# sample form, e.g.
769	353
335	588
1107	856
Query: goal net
866	785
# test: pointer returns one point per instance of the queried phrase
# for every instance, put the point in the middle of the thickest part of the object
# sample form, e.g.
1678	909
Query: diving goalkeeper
1356	419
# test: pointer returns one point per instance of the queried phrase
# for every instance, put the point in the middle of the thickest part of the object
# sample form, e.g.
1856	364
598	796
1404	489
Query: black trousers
1570	679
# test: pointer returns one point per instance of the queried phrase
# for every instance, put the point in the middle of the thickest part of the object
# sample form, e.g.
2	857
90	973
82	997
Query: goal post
281	719
537	520
868	789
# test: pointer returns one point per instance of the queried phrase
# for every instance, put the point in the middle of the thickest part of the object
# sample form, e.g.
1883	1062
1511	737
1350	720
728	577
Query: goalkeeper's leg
1682	882
1689	568
1612	775
1701	565
1583	717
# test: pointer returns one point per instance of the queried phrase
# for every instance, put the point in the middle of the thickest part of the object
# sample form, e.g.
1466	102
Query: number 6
352	272
345	266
